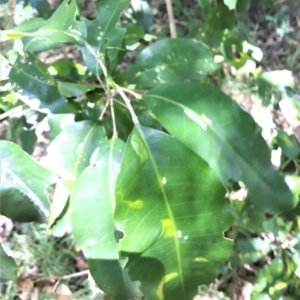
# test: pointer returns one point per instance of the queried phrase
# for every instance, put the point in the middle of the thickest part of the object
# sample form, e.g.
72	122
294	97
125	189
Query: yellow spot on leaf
164	280
201	259
138	204
168	228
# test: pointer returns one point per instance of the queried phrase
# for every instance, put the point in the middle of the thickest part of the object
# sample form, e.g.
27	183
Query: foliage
141	159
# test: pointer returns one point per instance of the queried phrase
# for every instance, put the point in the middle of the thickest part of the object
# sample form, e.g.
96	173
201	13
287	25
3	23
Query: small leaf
217	129
171	207
8	267
23	185
231	4
36	87
102	33
93	202
289	144
170	60
61	27
111	278
70	152
69	89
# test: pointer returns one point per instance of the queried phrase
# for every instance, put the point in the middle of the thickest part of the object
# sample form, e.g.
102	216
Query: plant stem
78	274
171	18
111	102
134	94
128	104
11	112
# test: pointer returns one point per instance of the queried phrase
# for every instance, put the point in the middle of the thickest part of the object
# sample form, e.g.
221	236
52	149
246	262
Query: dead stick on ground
82	273
171	18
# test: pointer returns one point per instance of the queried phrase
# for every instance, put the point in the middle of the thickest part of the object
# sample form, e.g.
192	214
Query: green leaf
58	123
170	60
103	35
8	267
217	129
22	133
111	278
69	89
231	4
36	87
70	152
93	202
289	144
23	185
171	207
61	27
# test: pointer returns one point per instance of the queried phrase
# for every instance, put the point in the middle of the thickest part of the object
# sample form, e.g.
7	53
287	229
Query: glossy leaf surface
36	87
72	148
61	27
171	207
93	202
23	185
8	267
111	278
102	34
216	128
170	60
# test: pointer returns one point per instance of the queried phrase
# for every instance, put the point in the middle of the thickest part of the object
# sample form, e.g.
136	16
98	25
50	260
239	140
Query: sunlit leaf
171	207
23	184
36	87
61	27
216	128
93	202
69	153
170	60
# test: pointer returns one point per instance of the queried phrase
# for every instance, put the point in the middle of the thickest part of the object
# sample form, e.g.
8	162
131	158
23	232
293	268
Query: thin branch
78	274
11	112
111	102
104	110
134	94
128	104
171	18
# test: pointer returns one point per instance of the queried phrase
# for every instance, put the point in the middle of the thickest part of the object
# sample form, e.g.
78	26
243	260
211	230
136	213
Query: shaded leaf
93	202
289	144
103	35
8	267
171	207
61	27
69	153
217	129
23	185
114	280
69	89
36	87
170	60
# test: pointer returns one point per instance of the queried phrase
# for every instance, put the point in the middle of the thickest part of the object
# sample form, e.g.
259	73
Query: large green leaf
170	60
23	185
8	267
36	87
69	153
93	202
171	207
216	128
111	278
61	27
103	35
